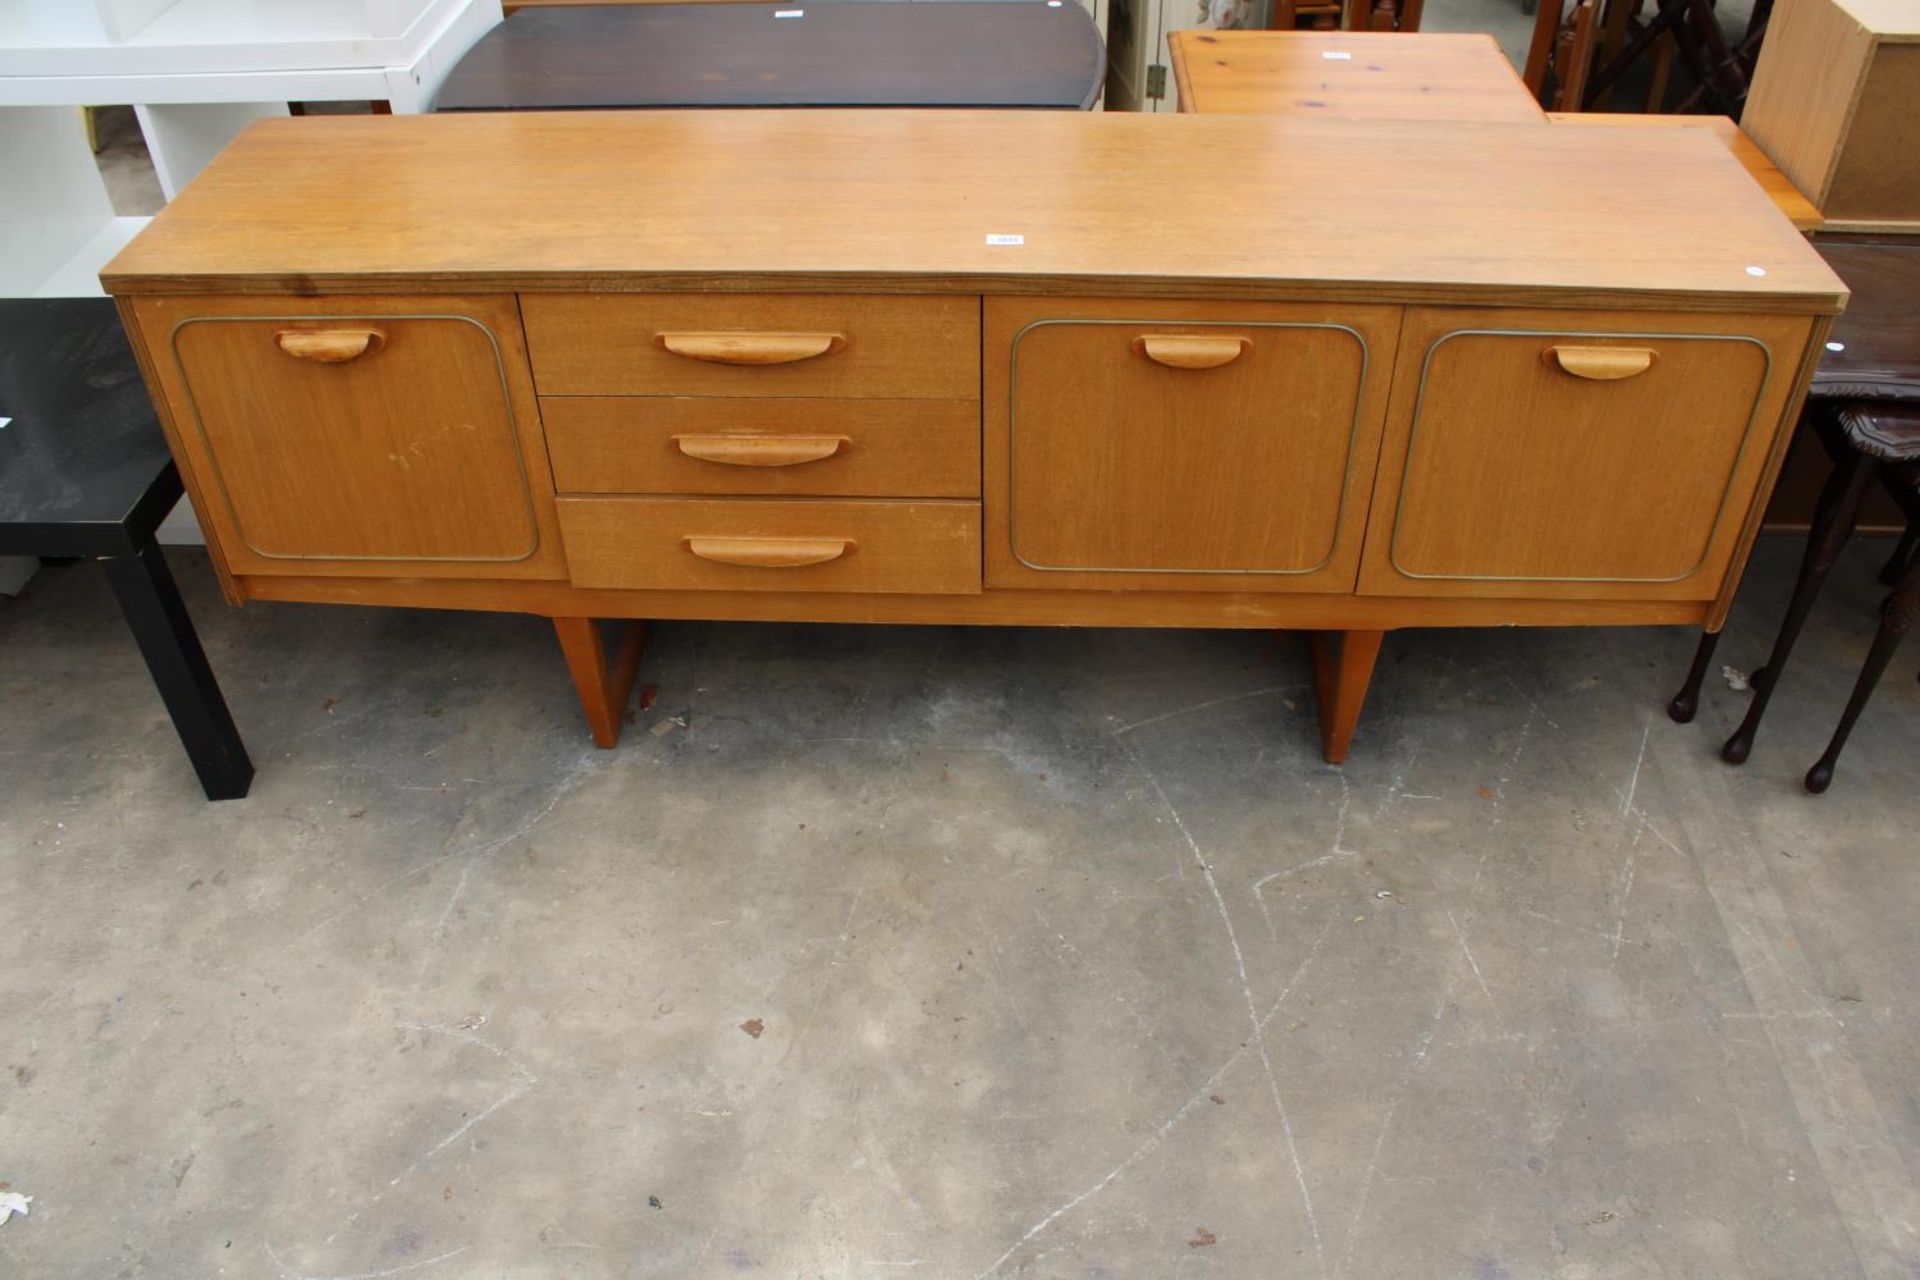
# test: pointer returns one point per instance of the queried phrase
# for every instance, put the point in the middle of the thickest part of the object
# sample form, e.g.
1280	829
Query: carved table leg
1905	556
1833	519
1342	668
1687	701
603	685
1897	617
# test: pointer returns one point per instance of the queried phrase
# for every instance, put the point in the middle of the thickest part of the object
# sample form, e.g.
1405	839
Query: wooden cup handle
770	553
760	451
1189	351
752	348
329	346
1601	364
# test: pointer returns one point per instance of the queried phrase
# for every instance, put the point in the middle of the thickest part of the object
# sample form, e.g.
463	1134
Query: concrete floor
929	952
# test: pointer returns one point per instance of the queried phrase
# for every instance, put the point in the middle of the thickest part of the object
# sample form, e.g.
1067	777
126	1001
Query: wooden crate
1833	104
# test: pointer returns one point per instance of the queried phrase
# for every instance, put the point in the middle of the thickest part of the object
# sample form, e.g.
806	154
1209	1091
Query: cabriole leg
1833	521
603	683
1896	619
1687	701
1342	669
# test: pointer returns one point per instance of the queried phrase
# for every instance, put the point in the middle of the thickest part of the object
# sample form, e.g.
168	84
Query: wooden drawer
754	345
1185	446
394	436
773	544
830	448
1575	454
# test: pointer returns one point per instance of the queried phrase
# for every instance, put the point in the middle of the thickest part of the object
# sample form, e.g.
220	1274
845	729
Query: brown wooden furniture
1860	412
1573	48
1308	15
568	398
1836	103
1618	33
1349	15
1868	441
1777	185
877	53
1349	75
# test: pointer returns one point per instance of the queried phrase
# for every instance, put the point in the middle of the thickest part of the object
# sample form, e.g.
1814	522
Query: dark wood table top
1873	352
83	465
825	53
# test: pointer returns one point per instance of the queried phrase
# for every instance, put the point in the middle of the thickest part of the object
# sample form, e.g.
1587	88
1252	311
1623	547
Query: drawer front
754	345
382	436
773	544
828	448
1599	455
1181	445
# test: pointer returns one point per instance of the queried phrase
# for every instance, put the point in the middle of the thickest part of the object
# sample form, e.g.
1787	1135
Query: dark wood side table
876	53
84	471
1864	403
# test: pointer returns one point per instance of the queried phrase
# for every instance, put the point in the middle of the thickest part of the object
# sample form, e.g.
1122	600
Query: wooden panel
906	202
1383	76
421	453
1809	76
1779	188
1022	608
1877	179
1109	469
1519	459
618	344
828	448
707	543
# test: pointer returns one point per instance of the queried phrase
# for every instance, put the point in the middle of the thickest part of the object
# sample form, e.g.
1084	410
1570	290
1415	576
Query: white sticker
789	13
1756	271
996	239
4	423
1332	56
1831	346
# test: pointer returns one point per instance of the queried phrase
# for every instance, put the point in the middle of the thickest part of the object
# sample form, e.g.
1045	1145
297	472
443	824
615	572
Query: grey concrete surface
928	952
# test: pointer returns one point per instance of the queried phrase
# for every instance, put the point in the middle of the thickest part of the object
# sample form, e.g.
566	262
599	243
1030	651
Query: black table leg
167	641
1833	520
1905	556
1687	701
1897	617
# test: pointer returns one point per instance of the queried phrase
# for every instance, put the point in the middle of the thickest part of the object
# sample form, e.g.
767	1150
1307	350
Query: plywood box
1833	103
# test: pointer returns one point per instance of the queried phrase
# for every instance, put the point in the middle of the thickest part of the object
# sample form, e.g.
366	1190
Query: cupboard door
1181	445
363	436
1575	454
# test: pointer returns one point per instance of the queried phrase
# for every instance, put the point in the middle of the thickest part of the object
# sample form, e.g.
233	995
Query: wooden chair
1562	51
1867	440
1306	15
1384	15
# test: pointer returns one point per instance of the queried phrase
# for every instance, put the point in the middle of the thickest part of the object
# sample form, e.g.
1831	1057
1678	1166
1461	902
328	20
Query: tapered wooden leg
1687	701
1833	519
1342	669
603	685
1904	557
1897	617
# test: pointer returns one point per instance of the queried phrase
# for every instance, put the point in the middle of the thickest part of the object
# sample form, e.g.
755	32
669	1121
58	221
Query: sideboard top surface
911	201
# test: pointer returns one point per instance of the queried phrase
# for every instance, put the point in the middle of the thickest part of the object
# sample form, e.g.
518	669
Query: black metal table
84	472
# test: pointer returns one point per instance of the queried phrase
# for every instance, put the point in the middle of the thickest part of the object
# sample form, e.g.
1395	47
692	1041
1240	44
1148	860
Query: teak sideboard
946	367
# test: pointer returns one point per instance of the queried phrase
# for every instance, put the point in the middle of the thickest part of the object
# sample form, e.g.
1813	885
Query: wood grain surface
1504	474
912	201
1350	75
1788	198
